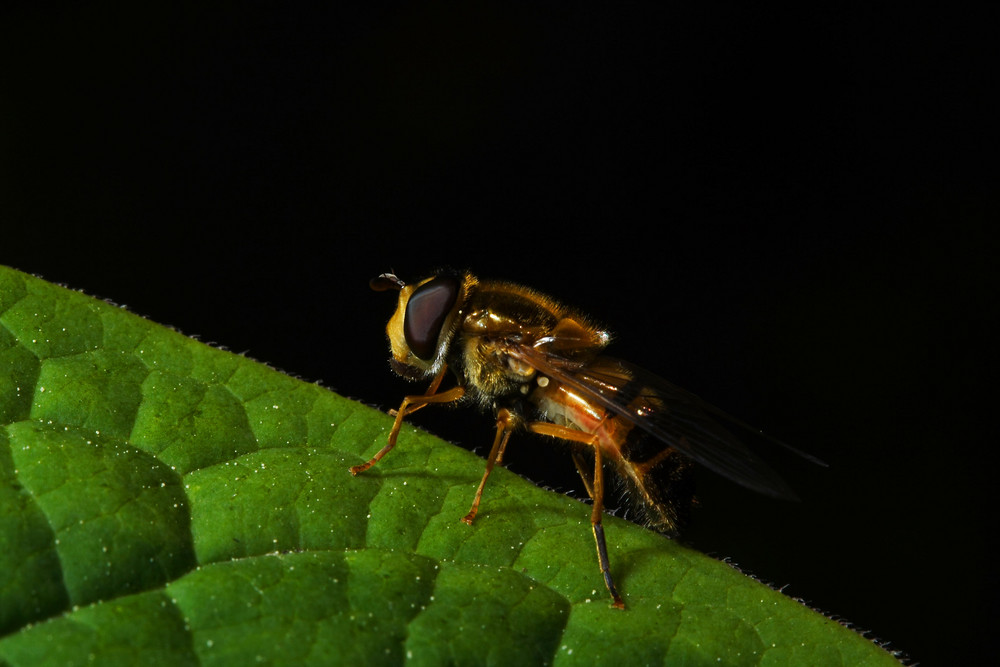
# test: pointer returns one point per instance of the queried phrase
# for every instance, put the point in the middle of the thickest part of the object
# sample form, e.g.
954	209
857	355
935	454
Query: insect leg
431	390
504	428
596	491
598	527
410	405
586	474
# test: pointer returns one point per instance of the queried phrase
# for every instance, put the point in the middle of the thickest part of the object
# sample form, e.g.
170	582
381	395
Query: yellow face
397	341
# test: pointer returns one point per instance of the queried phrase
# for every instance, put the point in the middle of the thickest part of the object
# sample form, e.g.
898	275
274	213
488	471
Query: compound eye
426	311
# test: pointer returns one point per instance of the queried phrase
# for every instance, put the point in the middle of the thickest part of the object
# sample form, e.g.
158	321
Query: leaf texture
165	502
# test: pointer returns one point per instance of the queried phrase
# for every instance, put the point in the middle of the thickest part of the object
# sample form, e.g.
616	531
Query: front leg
410	405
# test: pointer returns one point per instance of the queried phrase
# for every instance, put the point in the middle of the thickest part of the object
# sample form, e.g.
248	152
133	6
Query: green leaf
164	502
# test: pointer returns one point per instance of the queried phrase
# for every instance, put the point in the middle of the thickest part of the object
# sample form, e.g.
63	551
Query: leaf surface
165	502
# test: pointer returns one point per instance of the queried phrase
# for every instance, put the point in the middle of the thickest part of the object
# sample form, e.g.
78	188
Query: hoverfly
539	366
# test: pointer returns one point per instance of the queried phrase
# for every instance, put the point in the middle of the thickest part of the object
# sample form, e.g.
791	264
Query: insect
539	366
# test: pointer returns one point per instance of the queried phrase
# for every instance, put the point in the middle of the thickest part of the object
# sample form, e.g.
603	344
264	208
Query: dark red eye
426	311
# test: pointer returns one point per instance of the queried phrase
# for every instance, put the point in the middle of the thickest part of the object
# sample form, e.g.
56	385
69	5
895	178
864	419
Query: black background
783	211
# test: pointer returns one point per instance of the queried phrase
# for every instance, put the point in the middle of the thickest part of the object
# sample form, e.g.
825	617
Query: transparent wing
667	412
